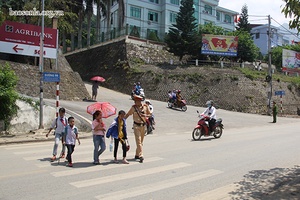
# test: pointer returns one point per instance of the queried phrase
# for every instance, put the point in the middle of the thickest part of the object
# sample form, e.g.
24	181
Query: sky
259	8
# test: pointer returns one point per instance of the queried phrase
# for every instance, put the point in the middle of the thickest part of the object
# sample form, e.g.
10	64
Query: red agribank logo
27	34
24	39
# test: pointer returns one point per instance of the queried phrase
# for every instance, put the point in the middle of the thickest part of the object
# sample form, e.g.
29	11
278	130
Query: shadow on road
276	183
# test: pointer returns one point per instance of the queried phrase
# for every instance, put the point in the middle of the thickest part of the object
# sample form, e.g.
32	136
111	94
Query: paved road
250	158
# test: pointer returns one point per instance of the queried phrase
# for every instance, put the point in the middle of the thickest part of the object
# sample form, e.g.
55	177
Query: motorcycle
182	105
142	93
149	126
202	128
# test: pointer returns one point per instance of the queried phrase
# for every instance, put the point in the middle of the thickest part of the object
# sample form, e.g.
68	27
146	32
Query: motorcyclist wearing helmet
151	119
178	97
211	112
138	88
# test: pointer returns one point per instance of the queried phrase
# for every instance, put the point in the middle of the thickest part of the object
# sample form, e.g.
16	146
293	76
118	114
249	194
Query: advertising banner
220	45
24	39
290	61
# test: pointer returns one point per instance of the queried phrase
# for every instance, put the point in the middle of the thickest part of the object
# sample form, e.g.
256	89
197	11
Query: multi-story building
260	37
146	16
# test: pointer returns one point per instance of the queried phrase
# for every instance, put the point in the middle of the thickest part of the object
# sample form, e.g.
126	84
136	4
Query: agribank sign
24	39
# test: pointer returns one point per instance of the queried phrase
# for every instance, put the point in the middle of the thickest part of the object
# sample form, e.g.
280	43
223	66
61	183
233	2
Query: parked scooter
182	105
142	93
202	128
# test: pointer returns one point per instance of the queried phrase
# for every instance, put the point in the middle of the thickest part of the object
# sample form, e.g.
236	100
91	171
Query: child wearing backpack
59	125
70	137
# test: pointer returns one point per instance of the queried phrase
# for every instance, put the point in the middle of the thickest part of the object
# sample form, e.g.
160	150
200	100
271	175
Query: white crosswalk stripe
124	176
93	169
145	189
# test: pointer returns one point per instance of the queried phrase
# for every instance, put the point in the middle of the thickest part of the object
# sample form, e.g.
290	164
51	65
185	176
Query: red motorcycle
202	128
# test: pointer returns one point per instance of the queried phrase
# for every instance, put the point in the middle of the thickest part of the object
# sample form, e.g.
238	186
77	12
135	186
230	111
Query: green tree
182	37
243	23
292	9
247	50
8	95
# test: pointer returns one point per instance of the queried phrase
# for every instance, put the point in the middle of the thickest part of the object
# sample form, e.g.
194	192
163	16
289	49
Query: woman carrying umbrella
95	90
97	80
98	128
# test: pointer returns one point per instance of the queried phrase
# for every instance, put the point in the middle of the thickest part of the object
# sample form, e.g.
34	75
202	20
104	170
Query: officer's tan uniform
139	125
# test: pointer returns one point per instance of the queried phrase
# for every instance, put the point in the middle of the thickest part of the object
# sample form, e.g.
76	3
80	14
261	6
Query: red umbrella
105	107
98	78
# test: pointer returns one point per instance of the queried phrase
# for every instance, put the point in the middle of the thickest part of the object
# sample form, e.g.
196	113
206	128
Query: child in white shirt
70	136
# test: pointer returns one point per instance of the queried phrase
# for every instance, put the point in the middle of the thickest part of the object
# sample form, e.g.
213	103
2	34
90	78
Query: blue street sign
51	77
279	93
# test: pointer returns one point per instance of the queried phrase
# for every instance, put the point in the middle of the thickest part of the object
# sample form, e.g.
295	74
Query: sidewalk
37	136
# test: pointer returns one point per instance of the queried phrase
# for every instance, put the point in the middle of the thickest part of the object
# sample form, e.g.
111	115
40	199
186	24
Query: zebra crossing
38	155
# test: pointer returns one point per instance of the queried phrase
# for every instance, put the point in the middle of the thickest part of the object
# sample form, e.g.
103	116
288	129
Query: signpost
53	77
280	93
24	39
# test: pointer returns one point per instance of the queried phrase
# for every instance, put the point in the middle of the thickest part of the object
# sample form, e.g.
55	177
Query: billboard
24	39
220	45
290	61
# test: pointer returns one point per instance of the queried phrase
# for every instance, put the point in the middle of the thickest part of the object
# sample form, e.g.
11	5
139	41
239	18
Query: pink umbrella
98	78
105	107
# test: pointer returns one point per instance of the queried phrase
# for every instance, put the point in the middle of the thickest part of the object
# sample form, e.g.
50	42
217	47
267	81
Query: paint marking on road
97	168
22	174
221	193
128	175
43	156
29	145
145	189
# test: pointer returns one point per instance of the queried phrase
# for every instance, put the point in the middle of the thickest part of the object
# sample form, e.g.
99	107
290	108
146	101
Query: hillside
125	62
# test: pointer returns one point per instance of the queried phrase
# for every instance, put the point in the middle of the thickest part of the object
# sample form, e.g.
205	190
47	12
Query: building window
218	16
176	2
154	1
135	12
134	31
153	16
152	34
112	18
227	19
208	9
173	17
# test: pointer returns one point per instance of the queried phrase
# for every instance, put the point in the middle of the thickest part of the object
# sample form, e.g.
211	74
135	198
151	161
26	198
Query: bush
8	94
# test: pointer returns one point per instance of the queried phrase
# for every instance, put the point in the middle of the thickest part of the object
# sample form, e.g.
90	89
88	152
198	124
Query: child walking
70	137
98	129
117	131
59	125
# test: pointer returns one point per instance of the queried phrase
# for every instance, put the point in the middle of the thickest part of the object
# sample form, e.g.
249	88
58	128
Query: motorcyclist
151	119
211	112
138	88
174	96
178	97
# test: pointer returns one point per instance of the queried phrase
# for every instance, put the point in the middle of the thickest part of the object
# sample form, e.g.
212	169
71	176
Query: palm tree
80	13
89	12
121	14
108	6
100	9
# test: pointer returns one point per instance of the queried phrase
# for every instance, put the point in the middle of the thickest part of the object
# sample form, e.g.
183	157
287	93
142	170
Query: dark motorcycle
182	105
149	125
202	128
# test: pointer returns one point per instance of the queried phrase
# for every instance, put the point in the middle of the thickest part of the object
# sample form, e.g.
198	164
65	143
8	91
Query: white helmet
147	101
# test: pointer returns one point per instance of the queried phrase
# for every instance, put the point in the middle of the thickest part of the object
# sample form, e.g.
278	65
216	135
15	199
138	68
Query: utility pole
41	125
269	78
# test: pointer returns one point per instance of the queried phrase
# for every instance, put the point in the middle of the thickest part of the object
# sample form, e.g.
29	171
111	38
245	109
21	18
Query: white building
260	37
144	16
